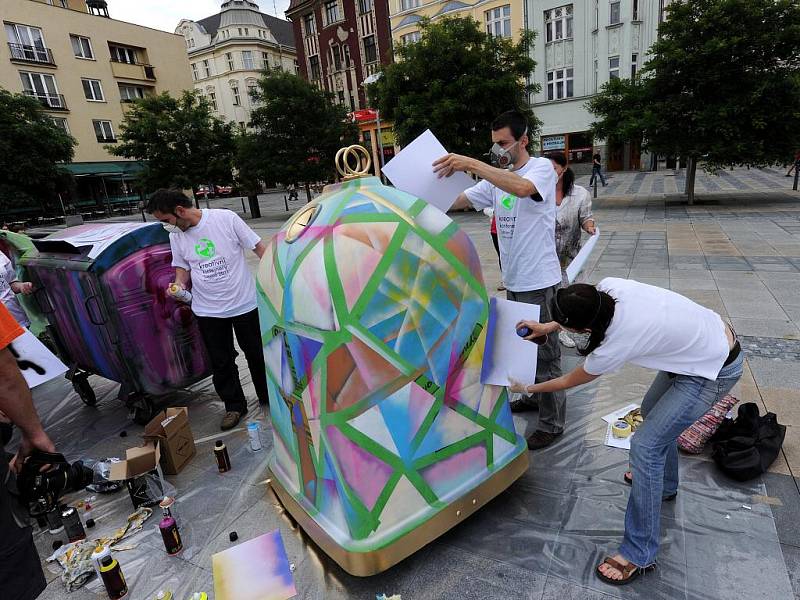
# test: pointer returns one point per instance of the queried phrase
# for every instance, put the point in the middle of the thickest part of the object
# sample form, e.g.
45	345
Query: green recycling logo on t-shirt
205	248
508	201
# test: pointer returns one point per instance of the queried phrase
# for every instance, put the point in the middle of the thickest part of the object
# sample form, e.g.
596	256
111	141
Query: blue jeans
596	172
671	404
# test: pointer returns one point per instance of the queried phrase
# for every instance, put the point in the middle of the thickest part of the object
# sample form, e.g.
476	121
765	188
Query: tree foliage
722	86
180	141
455	80
31	150
296	131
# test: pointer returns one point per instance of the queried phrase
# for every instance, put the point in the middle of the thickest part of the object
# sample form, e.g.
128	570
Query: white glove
489	212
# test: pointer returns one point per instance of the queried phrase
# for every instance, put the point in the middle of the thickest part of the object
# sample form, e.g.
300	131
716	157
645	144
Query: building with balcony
85	68
581	46
228	52
502	18
340	43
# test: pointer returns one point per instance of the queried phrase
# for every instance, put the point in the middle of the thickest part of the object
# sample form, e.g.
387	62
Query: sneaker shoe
231	420
522	405
540	439
501	287
565	340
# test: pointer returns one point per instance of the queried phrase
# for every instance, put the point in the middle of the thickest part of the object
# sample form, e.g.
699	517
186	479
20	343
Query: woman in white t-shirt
698	361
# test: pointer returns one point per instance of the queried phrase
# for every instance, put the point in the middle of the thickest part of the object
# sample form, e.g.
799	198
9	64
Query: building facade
228	52
85	68
503	18
581	46
340	43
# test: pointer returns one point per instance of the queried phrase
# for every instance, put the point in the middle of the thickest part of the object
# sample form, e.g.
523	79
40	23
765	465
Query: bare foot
610	571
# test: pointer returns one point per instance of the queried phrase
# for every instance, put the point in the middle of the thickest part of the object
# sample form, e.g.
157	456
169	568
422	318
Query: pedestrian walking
597	171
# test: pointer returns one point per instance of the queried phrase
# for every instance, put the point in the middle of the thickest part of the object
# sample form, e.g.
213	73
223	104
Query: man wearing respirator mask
521	190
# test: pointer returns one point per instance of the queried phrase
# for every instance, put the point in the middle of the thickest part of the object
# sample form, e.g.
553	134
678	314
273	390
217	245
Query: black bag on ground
745	447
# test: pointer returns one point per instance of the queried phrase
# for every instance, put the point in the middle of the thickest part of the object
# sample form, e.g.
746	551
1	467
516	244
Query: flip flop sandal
629	572
629	480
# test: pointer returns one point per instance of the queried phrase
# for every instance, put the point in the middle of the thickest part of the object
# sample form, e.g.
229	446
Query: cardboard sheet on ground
625	443
411	171
507	356
35	361
577	264
254	570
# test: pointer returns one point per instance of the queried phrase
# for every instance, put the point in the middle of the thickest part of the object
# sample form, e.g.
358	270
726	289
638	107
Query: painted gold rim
363	564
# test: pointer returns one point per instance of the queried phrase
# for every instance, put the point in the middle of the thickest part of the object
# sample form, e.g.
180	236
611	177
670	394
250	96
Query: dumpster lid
94	236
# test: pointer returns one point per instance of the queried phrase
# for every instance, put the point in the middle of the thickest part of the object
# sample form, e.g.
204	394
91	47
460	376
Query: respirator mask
504	158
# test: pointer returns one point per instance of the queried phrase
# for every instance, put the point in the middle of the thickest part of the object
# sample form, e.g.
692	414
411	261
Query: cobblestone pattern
771	348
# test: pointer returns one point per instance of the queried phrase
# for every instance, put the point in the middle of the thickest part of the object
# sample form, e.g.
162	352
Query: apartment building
85	68
229	50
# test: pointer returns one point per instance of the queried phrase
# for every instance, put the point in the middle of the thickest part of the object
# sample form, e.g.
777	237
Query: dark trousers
497	249
218	339
552	405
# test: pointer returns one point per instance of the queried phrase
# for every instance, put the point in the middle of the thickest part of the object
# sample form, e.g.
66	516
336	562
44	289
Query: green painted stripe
380	271
455	448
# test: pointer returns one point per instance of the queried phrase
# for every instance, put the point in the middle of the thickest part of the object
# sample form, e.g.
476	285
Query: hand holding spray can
177	292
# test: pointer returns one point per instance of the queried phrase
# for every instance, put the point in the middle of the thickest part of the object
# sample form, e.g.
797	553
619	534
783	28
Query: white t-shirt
659	329
213	252
525	228
7	296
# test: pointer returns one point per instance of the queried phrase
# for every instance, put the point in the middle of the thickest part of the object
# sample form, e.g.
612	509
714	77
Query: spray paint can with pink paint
171	536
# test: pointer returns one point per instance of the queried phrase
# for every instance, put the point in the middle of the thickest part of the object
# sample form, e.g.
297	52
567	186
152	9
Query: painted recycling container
373	313
102	288
14	245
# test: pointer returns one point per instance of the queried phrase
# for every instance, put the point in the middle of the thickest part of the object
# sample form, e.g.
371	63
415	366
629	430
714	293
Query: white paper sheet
625	443
577	264
99	237
35	361
506	355
411	171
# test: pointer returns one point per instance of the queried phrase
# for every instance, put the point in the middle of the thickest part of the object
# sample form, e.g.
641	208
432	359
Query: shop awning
121	168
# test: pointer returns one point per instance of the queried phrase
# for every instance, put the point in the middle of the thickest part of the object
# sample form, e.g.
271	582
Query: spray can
72	524
168	509
164	595
179	293
54	521
223	460
255	438
113	579
98	555
172	539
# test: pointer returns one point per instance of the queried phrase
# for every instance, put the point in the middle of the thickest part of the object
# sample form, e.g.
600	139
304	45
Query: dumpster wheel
81	385
142	409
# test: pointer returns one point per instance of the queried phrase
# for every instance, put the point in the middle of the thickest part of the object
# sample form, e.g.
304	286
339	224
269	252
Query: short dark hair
165	200
514	120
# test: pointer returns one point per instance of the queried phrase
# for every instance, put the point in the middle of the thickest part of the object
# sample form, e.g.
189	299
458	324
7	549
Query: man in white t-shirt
522	193
208	250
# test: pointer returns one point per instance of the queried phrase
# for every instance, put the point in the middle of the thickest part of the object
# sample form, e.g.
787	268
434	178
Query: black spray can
169	532
72	524
221	453
54	521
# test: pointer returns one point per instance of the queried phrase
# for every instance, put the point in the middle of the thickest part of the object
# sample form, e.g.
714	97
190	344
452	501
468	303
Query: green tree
31	150
722	87
296	131
180	141
454	81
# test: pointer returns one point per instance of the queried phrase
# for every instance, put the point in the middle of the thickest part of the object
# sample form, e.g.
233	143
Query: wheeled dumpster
374	316
102	288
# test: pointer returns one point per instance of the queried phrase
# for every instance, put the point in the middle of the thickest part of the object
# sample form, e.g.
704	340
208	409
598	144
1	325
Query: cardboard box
141	474
170	429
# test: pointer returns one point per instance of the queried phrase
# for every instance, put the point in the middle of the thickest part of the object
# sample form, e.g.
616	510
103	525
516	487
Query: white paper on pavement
577	264
507	356
411	171
34	360
624	443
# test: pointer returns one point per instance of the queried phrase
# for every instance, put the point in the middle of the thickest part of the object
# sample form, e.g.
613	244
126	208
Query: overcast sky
165	14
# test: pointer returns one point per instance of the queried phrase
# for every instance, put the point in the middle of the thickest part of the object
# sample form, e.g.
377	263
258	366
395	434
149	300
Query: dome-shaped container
373	314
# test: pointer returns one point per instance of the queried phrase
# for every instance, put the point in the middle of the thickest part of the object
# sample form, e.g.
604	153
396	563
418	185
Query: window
237	100
212	100
613	68
331	11
81	47
662	10
346	52
558	23
341	97
195	74
635	12
596	14
595	76
408	4
123	54
614	14
190	43
265	60
364	6
61	123
498	21
104	131
309	24
313	63
240	31
206	69
252	90
336	57
559	84
634	64
247	60
43	87
410	38
246	31
129	93
27	43
93	90
229	58
370	49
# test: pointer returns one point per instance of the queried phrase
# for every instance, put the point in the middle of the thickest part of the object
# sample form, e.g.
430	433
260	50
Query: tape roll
621	430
